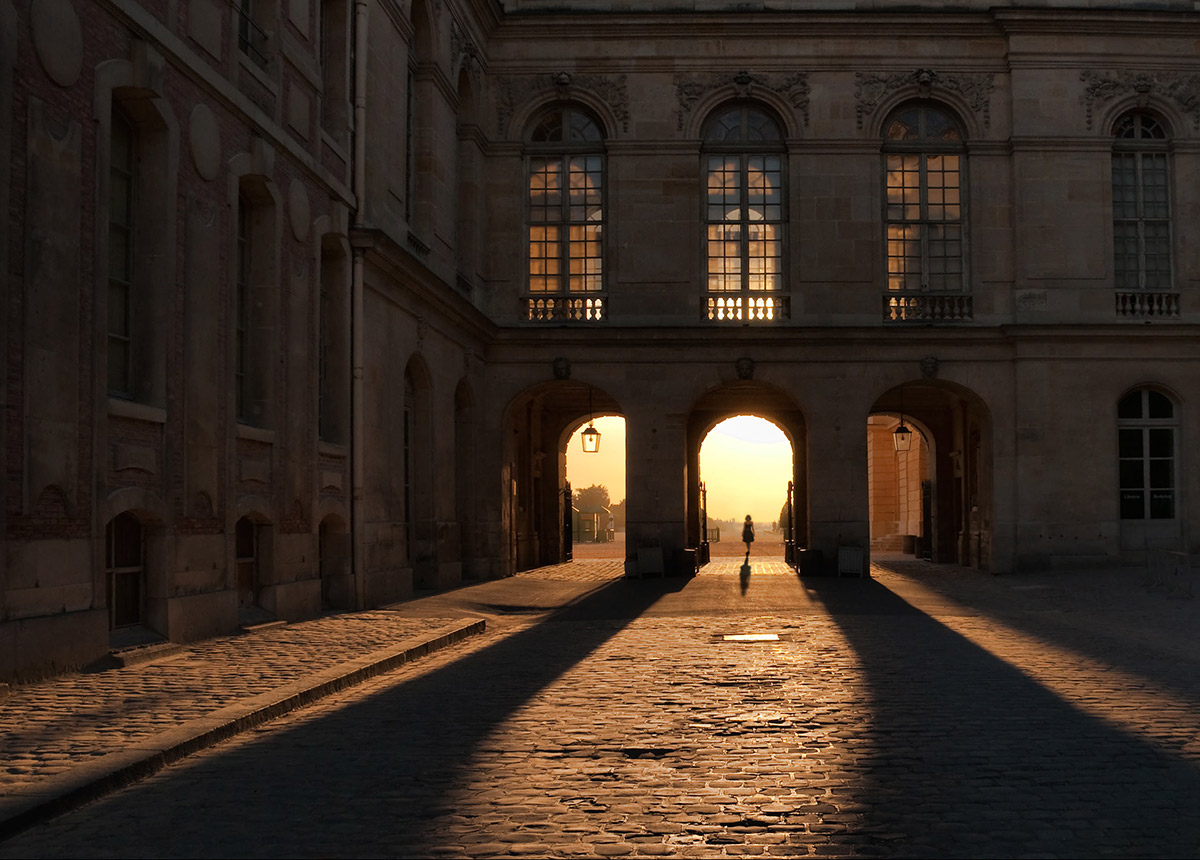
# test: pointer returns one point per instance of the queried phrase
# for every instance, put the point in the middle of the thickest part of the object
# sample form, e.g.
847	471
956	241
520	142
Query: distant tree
618	512
592	499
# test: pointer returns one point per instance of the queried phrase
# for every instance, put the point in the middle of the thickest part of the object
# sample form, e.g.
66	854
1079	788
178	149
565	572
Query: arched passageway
746	469
934	499
537	509
746	397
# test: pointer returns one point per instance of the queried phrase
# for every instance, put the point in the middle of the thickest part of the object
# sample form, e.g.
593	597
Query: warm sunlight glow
606	466
746	463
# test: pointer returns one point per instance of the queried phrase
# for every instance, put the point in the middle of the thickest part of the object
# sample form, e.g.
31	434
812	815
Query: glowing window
743	214
566	204
925	211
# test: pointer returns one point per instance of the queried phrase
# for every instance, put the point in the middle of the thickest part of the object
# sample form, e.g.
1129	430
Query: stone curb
89	781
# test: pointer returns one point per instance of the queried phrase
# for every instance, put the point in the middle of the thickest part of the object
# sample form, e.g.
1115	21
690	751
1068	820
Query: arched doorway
539	423
595	471
747	397
900	486
936	497
747	465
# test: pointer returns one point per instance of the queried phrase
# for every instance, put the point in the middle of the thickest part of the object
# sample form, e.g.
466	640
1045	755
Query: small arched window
925	213
565	212
1146	437
1141	204
743	214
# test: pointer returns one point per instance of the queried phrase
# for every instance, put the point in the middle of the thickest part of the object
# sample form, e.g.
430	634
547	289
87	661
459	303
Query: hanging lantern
902	437
591	439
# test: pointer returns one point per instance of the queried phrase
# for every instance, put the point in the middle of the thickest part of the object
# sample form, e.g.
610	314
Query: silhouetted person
748	533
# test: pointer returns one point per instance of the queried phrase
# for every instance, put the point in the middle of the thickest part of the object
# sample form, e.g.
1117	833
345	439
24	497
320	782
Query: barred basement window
565	214
743	216
1141	204
1146	431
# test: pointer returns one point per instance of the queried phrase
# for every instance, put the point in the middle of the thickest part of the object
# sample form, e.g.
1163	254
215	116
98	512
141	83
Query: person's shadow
744	574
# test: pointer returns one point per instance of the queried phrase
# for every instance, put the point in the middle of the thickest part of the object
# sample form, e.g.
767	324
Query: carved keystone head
562	368
745	368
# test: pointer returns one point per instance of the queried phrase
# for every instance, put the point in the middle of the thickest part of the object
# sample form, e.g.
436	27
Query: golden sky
745	462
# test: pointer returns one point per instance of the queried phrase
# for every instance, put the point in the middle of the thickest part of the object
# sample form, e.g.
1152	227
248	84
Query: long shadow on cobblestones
965	756
361	781
1040	617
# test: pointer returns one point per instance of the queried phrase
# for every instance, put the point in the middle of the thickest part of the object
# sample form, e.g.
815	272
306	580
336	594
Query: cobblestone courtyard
928	712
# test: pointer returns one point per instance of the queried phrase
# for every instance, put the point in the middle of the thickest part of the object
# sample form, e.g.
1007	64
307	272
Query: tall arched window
1141	204
743	215
566	216
925	212
1146	432
121	256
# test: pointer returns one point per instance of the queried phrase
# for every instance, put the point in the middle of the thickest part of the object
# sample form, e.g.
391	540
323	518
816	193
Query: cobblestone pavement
929	711
46	728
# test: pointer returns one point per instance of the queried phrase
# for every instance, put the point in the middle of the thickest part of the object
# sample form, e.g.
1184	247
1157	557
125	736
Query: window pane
1162	505
1160	405
1130	442
1133	505
1132	475
118	366
727	128
760	127
1162	442
905	126
1130	405
1162	474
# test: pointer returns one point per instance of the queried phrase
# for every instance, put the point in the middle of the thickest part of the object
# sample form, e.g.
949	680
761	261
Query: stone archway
747	397
955	426
538	424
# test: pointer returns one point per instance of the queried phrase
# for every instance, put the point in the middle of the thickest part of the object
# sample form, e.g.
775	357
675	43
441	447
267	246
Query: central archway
746	468
747	397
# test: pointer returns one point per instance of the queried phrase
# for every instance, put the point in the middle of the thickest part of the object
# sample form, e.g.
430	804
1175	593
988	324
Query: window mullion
744	224
1139	196
564	234
923	225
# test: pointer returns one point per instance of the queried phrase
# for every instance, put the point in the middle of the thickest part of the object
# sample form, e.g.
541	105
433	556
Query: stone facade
283	332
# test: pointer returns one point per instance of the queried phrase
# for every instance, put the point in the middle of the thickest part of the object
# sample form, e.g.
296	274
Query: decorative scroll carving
870	88
517	89
1183	90
689	89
